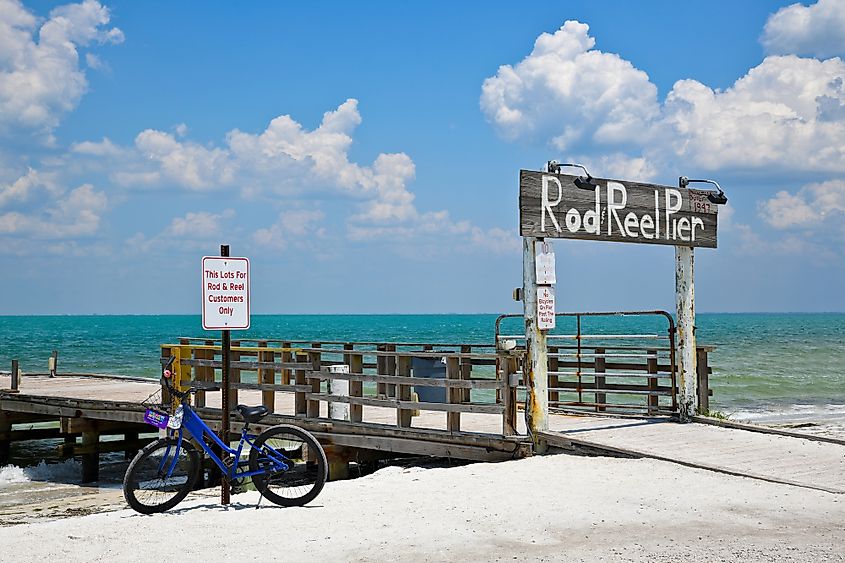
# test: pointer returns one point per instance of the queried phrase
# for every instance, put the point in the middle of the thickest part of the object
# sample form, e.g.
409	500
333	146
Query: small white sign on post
225	293
545	262
545	308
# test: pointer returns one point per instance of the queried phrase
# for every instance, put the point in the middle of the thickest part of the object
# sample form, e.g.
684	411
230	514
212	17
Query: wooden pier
608	398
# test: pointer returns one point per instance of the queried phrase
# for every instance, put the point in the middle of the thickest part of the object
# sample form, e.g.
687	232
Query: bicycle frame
197	429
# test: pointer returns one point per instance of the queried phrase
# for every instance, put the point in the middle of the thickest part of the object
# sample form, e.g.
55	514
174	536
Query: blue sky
365	157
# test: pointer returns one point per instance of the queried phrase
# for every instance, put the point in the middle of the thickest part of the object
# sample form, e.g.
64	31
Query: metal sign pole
535	370
226	346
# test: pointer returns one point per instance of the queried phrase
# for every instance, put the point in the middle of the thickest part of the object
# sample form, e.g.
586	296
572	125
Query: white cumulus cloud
787	113
814	30
566	91
41	80
814	206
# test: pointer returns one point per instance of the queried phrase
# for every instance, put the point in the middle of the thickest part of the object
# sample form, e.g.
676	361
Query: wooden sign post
535	373
565	206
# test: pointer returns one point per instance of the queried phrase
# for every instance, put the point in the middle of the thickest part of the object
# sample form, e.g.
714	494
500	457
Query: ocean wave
66	471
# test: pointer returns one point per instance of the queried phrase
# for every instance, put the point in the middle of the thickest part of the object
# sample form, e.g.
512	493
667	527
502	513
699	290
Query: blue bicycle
286	463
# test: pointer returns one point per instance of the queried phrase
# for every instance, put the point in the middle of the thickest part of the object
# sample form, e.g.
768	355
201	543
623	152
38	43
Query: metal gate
593	368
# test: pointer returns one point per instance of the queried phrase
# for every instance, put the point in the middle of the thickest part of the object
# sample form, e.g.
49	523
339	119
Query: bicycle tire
308	471
146	490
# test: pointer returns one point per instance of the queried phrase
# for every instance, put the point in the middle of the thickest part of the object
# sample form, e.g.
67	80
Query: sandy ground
544	508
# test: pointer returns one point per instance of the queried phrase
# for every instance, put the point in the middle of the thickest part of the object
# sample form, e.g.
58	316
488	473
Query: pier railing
630	372
296	378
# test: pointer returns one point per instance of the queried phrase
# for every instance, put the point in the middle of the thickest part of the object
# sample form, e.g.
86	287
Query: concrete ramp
790	460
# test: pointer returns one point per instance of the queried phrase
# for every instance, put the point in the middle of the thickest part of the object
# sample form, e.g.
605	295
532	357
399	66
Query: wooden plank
638	213
251	386
409	405
69	425
418	381
246	366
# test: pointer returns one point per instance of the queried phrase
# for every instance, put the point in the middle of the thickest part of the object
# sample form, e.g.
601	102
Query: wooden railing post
466	373
381	369
453	394
509	367
601	398
390	389
268	397
653	398
703	371
15	375
356	388
287	357
312	407
234	375
403	392
300	403
203	373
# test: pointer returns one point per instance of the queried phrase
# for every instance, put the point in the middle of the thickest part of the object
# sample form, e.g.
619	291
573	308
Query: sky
365	156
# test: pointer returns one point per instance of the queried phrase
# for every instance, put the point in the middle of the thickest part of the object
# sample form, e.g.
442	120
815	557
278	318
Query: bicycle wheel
150	486
307	468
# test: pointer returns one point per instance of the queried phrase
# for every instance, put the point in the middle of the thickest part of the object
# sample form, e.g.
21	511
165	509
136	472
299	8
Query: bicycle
286	463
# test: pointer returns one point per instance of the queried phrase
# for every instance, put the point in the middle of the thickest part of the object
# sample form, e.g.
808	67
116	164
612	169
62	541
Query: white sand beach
552	508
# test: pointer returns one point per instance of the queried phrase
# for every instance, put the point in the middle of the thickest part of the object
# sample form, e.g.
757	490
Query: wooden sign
552	205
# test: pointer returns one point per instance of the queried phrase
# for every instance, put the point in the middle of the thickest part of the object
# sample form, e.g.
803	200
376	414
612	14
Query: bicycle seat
253	414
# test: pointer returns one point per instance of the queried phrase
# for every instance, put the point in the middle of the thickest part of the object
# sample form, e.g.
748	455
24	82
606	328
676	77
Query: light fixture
583	182
719	198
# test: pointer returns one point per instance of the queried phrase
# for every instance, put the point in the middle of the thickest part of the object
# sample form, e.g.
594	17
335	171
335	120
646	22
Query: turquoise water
765	365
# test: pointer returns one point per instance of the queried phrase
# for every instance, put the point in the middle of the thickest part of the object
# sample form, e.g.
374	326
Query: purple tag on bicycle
157	419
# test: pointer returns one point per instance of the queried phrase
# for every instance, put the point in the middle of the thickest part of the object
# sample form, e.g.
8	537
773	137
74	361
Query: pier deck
804	462
790	460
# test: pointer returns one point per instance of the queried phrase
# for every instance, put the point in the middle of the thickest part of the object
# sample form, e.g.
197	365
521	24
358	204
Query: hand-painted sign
225	293
545	307
552	205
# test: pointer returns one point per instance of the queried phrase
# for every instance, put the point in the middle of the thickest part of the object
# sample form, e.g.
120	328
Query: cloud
814	207
72	215
786	114
778	116
193	230
565	91
285	159
41	80
291	224
815	30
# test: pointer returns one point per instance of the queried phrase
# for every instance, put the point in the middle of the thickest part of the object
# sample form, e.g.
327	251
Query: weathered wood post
16	377
685	314
53	363
536	368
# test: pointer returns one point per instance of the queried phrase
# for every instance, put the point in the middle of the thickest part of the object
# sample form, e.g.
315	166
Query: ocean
779	369
770	368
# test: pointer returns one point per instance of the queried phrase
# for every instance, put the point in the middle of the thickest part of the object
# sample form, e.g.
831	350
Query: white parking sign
225	293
